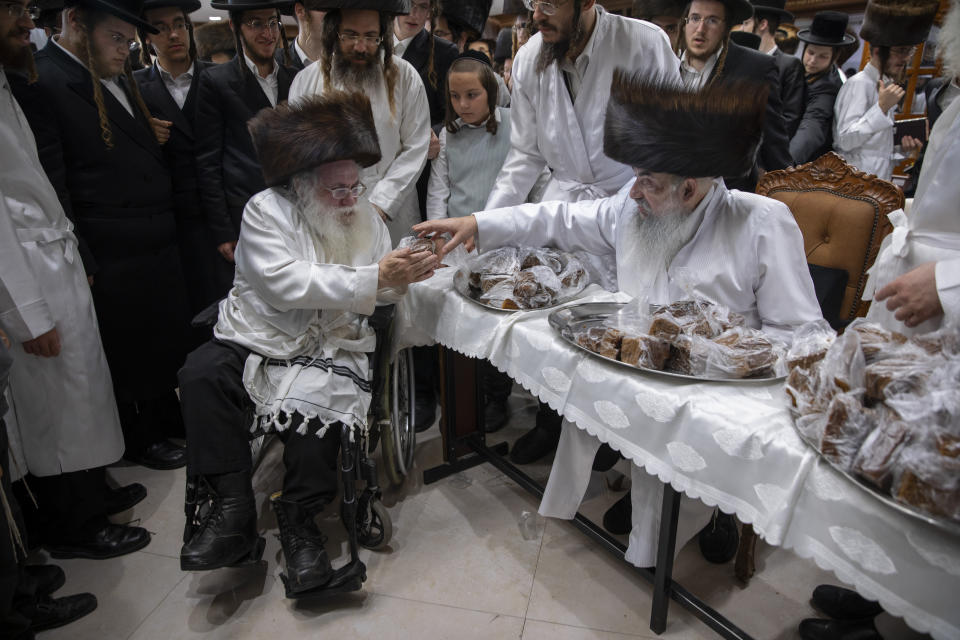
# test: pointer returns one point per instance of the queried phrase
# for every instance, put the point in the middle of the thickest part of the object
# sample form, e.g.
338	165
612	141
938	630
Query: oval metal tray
944	524
569	320
461	283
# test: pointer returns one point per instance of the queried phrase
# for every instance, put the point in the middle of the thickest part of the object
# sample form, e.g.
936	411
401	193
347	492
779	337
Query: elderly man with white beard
289	349
676	230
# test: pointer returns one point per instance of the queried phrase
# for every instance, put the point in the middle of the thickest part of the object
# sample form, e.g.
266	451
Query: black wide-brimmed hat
696	134
250	5
188	6
897	23
644	9
126	10
328	127
50	5
772	6
468	14
738	11
393	7
829	28
746	39
504	48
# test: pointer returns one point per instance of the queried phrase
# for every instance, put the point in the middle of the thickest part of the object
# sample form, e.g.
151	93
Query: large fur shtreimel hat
897	23
324	128
695	134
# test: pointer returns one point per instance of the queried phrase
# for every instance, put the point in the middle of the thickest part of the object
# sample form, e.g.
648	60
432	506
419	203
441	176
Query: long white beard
948	45
341	234
655	240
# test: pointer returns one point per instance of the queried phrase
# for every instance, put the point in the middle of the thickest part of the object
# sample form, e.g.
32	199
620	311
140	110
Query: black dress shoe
619	518
606	457
818	629
109	542
843	604
56	612
425	411
46	578
533	445
496	414
162	456
719	539
122	498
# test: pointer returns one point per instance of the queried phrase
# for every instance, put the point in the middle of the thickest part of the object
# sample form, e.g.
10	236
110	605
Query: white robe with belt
747	254
303	319
548	129
862	133
931	231
66	415
404	140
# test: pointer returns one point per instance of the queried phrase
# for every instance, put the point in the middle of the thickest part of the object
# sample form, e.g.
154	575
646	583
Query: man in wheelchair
290	347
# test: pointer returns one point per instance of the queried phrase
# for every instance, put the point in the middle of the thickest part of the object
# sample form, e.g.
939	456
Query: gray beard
656	240
352	76
340	233
948	45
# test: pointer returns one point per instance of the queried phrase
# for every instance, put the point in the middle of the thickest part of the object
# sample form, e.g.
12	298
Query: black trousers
70	506
217	414
150	420
17	592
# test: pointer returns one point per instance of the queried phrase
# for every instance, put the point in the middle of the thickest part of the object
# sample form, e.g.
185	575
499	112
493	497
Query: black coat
814	136
932	91
207	279
296	62
417	54
792	81
227	166
742	63
121	201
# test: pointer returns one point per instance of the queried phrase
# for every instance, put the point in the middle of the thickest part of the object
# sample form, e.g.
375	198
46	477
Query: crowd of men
265	184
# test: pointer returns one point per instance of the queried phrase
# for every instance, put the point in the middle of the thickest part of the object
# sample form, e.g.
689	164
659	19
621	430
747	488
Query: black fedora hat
188	6
250	5
393	7
737	11
772	6
126	10
746	39
829	28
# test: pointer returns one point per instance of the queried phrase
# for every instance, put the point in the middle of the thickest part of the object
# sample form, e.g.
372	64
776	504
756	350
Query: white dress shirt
694	78
862	133
269	84
178	87
399	46
300	52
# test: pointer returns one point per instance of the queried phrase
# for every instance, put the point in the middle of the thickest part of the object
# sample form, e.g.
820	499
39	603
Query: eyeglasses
547	8
259	26
354	38
121	41
903	52
340	193
712	22
421	8
521	25
166	30
16	11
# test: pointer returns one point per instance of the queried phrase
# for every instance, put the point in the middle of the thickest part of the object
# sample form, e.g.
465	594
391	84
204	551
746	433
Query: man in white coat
674	229
357	54
47	311
561	83
291	341
863	113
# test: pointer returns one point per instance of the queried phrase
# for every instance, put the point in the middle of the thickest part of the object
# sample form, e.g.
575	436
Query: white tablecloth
727	444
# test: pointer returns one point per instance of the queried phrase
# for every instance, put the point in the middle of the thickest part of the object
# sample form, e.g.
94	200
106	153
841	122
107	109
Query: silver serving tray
461	283
950	526
570	320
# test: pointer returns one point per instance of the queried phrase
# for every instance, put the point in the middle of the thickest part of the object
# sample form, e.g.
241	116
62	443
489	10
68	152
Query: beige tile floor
459	566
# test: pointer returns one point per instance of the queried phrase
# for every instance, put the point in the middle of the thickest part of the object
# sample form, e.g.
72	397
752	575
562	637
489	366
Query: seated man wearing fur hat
674	228
292	337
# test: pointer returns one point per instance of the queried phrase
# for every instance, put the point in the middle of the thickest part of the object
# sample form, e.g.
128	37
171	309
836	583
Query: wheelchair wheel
374	526
402	412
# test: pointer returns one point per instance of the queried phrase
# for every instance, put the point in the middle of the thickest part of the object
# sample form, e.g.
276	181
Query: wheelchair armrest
207	317
382	317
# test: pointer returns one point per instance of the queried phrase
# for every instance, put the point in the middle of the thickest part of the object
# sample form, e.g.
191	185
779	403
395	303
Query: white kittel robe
550	130
747	254
66	414
304	320
404	141
862	133
930	232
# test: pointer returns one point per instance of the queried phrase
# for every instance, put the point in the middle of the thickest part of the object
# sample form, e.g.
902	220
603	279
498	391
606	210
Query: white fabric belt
49	235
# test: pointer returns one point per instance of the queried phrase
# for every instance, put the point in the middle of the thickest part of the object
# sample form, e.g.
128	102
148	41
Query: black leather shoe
619	518
46	578
605	459
162	456
719	539
533	445
222	531
425	411
819	629
109	542
496	414
843	604
56	612
308	565
122	498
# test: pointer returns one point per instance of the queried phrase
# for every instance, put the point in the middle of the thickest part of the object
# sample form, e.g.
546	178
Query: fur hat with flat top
694	134
898	23
329	127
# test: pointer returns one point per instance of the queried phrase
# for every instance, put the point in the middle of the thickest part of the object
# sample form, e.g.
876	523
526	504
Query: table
727	444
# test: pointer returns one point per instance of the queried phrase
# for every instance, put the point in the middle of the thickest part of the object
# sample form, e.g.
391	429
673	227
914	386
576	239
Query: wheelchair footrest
347	578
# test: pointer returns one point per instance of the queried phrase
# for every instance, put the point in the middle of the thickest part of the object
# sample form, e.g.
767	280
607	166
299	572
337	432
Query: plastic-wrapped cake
525	278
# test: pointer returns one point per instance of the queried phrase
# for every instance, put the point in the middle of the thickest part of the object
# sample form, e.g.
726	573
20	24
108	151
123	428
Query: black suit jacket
814	136
792	81
742	63
227	168
296	62
932	91
444	53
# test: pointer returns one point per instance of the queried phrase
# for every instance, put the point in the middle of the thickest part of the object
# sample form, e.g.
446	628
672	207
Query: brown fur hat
646	9
896	23
324	128
666	129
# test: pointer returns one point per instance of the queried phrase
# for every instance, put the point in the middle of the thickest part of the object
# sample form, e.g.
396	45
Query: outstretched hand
461	231
400	267
913	295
